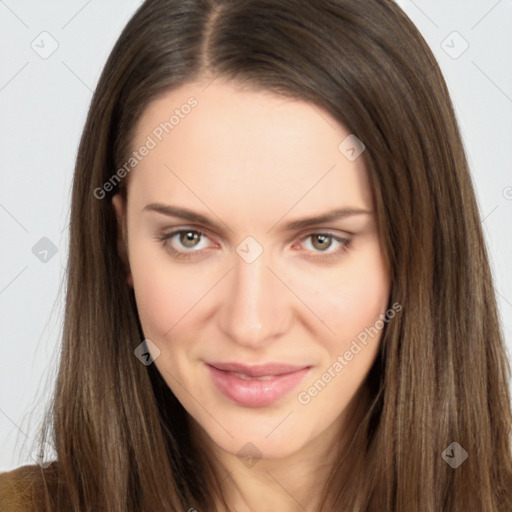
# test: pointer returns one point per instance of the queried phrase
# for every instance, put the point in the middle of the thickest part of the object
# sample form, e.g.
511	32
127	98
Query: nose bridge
254	304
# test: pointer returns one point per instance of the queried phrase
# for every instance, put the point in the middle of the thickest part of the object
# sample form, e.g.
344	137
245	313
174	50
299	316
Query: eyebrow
190	215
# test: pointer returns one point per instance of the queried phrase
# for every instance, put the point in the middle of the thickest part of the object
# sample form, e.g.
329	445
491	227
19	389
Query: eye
322	242
188	242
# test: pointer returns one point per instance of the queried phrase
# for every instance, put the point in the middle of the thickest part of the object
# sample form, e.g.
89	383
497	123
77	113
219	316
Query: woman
279	296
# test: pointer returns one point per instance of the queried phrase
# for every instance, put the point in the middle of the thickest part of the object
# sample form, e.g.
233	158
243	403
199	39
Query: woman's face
264	318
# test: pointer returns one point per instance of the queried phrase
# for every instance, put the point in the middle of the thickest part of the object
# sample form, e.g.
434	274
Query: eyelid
340	233
179	229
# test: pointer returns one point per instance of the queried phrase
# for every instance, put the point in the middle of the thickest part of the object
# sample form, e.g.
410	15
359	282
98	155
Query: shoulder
21	488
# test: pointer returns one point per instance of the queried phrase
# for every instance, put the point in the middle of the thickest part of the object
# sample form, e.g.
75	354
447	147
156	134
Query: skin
252	161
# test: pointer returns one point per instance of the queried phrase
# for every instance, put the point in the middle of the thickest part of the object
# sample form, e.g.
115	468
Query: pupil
322	241
190	237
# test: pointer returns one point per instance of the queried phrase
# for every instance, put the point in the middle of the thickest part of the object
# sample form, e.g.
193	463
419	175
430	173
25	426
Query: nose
255	308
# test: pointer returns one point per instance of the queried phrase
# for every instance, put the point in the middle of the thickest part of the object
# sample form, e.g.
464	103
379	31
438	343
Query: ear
119	205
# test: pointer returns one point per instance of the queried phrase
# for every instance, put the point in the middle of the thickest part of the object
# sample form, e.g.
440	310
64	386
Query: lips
255	385
260	370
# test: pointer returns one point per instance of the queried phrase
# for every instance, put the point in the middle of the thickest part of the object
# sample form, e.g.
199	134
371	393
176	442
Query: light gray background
43	104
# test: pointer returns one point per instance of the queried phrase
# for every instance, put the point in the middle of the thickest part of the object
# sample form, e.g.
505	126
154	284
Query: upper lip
257	370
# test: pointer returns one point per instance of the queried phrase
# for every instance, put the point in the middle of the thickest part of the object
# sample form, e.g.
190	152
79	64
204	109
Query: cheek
362	307
164	291
354	297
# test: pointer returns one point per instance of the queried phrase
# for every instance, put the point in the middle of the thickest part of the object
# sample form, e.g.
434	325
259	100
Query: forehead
256	145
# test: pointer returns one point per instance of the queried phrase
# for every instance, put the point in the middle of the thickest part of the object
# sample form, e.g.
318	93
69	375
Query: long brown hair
441	376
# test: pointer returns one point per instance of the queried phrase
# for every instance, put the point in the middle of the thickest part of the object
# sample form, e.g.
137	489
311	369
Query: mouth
255	385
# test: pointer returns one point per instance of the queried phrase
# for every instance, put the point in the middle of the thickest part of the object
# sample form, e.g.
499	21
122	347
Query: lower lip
255	392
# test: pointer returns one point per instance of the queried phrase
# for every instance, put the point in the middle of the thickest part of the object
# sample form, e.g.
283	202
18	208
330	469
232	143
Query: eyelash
188	255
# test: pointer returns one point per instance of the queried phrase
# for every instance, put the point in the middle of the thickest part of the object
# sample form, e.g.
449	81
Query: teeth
248	377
